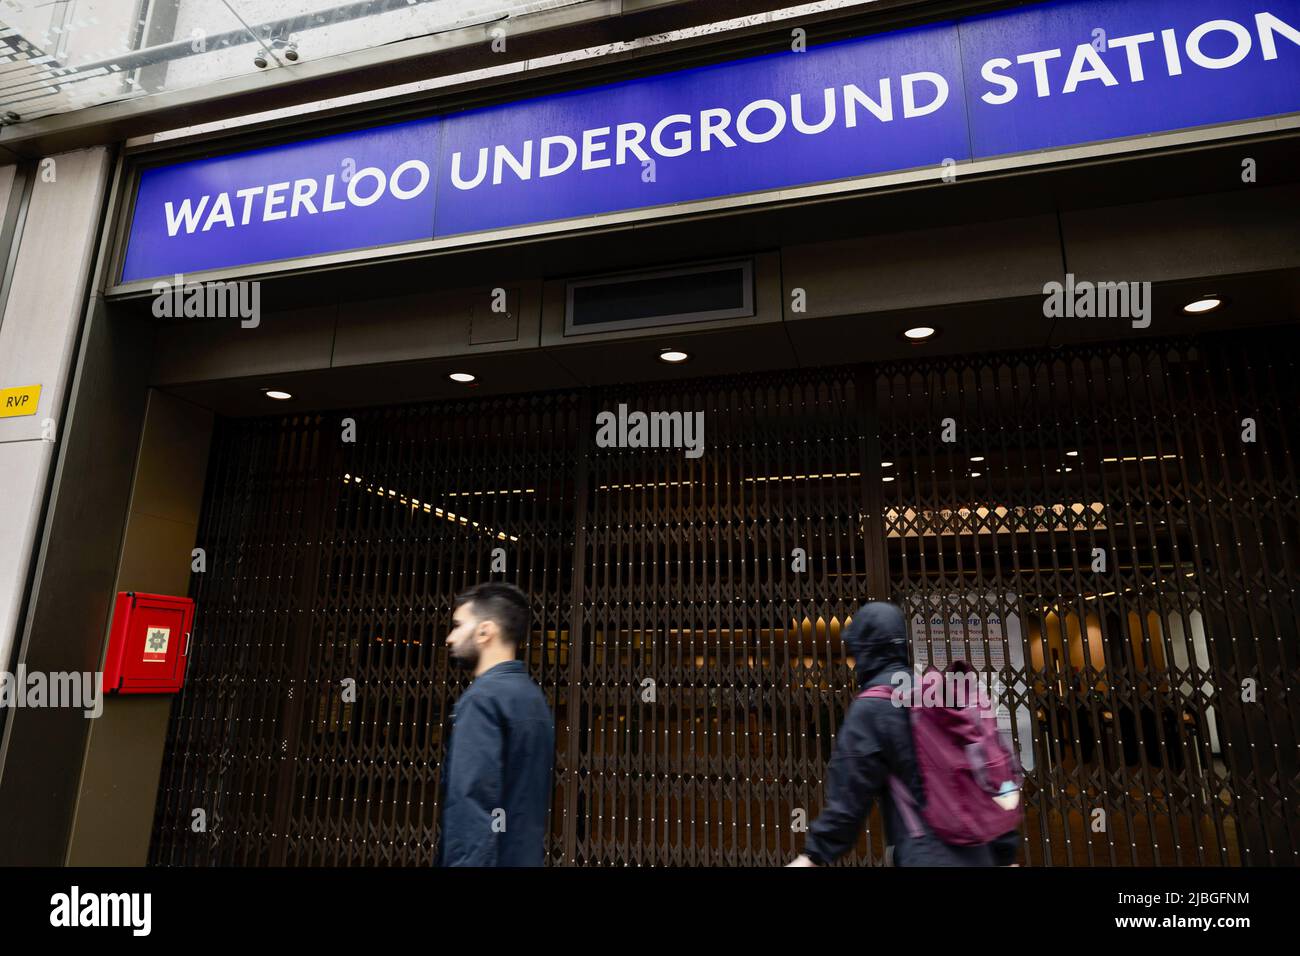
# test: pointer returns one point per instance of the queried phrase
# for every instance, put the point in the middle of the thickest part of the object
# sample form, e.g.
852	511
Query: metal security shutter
1135	600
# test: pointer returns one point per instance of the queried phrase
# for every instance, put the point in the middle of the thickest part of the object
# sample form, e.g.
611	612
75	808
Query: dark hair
500	602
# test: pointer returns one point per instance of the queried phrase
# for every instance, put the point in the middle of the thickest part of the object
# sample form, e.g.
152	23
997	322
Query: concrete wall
124	750
61	628
38	334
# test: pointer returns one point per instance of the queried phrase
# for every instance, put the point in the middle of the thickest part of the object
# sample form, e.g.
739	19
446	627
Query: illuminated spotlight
462	377
673	356
887	478
1204	304
886	464
277	394
976	474
1072	454
976	457
920	333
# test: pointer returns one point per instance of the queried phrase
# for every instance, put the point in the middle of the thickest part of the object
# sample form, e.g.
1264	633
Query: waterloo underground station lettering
677	134
759	121
1166	53
1019	81
674	135
285	200
763	120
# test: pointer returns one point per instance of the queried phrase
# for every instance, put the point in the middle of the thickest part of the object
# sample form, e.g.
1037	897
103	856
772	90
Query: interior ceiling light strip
503	491
1139	458
417	505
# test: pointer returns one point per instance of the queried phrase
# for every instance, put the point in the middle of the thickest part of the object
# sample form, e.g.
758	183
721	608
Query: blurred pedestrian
969	821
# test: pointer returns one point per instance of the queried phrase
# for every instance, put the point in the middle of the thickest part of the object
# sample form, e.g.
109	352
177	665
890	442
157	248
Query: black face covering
877	639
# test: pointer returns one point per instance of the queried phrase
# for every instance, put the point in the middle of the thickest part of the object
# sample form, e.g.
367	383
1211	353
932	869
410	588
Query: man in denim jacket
496	777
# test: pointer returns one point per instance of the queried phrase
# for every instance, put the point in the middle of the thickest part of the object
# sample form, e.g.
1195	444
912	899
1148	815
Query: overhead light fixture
1072	454
976	474
976	457
462	377
673	356
887	478
1206	303
886	464
919	333
276	393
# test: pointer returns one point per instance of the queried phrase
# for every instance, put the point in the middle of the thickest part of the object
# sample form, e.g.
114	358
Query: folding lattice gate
1110	531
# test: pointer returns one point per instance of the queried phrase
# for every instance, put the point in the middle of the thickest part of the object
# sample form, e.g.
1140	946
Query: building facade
702	342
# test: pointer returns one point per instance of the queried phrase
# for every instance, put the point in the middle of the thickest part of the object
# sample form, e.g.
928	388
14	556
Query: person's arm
854	778
475	785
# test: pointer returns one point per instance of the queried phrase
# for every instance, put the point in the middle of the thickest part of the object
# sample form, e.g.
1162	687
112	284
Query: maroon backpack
962	763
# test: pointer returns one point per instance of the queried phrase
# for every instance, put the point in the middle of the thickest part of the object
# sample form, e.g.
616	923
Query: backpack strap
897	790
906	806
880	691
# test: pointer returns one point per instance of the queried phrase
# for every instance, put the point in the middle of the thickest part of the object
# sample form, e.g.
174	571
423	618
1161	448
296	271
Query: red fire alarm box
148	644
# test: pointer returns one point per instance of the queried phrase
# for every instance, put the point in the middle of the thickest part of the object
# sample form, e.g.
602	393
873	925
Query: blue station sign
1034	78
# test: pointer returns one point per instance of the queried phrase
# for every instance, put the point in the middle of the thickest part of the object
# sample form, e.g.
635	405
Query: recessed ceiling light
276	394
919	333
887	478
886	464
461	377
673	355
976	457
976	474
1072	454
1207	303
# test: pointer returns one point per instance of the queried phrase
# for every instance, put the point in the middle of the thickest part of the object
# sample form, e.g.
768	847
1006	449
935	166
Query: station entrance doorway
1110	531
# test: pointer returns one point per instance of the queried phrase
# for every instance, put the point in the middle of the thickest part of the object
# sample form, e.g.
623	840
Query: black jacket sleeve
854	778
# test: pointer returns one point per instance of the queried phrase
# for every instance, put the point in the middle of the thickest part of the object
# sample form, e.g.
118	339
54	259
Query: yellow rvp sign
19	401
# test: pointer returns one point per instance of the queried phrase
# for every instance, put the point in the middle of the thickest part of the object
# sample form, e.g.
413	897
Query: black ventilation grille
669	297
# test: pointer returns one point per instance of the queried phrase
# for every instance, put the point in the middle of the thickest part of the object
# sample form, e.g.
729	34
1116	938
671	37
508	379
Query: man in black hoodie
874	742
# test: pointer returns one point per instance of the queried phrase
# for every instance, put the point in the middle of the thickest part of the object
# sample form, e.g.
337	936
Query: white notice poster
986	640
